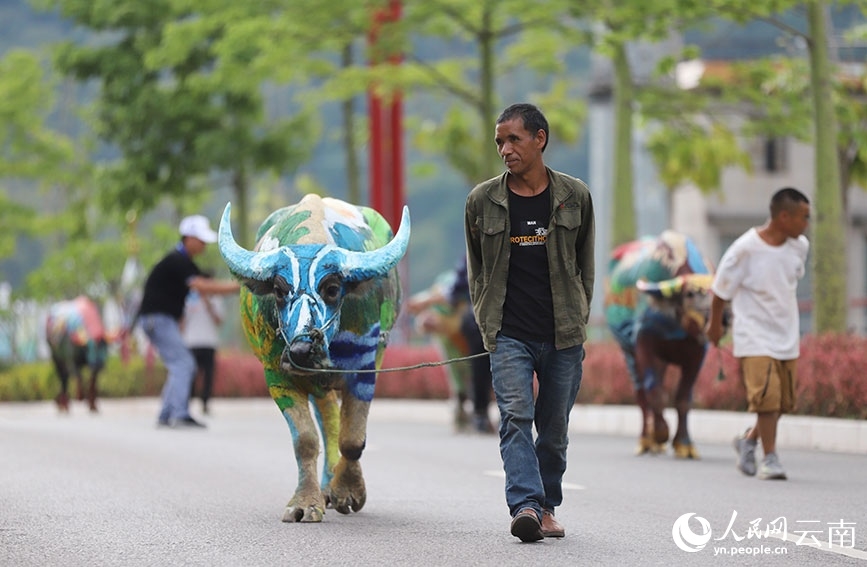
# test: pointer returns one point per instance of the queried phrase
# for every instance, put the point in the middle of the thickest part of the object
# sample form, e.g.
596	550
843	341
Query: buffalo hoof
62	403
684	450
660	430
294	514
461	420
346	492
347	502
646	445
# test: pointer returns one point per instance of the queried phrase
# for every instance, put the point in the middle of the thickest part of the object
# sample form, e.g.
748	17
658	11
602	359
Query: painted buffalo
656	305
77	340
436	316
320	294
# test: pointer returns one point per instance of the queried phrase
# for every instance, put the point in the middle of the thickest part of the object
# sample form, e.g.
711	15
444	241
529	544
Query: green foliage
695	153
182	87
28	382
743	11
79	267
458	130
630	20
38	380
509	43
15	220
169	108
32	154
619	24
27	148
699	132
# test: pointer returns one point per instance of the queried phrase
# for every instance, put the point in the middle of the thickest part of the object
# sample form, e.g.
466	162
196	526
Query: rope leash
381	370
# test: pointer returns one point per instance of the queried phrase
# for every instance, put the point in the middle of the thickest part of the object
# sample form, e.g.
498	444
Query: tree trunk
353	169
491	166
623	226
829	245
240	209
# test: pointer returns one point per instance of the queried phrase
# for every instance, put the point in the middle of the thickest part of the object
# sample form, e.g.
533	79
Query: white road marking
566	485
825	546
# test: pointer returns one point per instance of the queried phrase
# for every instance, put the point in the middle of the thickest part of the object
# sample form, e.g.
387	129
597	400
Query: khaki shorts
770	383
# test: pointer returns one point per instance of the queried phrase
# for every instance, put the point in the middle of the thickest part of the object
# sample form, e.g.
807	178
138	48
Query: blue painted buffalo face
305	285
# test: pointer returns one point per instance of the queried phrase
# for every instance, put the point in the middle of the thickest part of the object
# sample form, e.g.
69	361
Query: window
775	155
769	155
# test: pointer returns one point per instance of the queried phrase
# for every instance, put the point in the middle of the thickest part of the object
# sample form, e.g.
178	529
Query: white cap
197	226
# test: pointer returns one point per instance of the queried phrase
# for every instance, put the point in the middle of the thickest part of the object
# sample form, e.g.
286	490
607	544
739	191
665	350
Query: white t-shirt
199	329
761	282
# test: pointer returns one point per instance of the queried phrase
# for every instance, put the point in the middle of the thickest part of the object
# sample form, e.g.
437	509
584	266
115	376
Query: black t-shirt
528	312
165	289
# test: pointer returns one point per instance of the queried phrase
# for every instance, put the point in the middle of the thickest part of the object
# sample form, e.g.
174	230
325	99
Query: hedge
830	377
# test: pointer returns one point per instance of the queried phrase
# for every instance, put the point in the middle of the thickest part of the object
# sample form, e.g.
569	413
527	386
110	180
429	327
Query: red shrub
830	377
239	375
605	379
427	382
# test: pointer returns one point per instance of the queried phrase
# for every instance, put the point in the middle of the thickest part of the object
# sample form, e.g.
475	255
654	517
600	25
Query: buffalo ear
258	287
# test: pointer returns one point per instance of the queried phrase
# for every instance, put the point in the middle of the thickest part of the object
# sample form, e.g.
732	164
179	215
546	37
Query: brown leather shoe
550	526
526	526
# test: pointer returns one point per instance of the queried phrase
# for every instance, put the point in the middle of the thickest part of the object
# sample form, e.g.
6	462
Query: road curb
706	426
712	426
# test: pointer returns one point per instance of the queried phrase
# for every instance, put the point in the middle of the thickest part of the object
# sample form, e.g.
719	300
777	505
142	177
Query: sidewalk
706	426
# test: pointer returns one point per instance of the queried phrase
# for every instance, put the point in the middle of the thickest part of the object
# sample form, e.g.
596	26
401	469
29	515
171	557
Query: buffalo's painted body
77	340
321	292
656	304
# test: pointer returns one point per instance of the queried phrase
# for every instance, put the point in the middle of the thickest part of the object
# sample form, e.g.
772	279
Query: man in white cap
162	308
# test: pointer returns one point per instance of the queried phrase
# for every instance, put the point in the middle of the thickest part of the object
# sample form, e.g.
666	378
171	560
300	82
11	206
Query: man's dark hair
533	118
786	199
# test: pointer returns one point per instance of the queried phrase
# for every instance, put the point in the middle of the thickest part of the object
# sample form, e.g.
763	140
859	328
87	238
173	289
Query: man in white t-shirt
759	274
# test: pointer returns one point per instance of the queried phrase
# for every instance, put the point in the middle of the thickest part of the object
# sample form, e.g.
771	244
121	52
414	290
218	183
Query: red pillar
386	137
397	198
386	154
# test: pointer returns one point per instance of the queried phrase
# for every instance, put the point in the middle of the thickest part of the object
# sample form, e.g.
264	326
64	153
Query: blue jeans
534	470
165	334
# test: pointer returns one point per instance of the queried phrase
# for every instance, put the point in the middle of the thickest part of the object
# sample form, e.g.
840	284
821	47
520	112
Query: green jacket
570	245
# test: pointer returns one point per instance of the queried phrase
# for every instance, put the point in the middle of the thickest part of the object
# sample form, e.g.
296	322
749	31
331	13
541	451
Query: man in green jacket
530	239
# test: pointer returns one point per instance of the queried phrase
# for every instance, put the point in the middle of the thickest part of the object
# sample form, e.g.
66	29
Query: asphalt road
114	490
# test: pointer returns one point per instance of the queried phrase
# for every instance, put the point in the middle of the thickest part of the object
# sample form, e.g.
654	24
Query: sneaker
771	468
186	422
526	526
746	450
